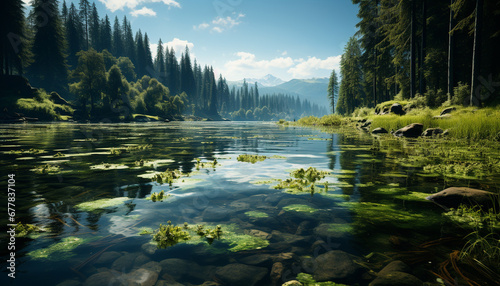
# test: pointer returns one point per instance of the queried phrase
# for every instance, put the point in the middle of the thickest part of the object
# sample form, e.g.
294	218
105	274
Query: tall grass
465	122
327	120
41	107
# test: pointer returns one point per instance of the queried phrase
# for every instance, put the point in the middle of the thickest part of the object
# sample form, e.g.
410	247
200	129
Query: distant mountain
312	89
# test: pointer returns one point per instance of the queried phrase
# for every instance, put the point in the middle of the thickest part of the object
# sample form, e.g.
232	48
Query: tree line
443	51
107	71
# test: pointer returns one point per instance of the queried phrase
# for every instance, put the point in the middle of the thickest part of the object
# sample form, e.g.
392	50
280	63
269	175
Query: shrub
462	94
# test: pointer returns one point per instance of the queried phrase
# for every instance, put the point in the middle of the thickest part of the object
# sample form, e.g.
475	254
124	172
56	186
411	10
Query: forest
439	53
86	68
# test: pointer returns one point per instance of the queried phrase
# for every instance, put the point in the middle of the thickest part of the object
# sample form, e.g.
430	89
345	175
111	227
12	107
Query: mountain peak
267	80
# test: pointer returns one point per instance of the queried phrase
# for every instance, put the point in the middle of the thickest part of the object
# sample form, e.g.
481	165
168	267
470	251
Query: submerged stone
335	265
396	278
413	130
240	274
454	196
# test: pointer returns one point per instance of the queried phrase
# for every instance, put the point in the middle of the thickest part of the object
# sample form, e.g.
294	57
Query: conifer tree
14	53
117	39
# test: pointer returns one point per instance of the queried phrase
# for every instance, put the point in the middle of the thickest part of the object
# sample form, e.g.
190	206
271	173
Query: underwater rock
289	238
107	257
335	265
180	268
168	281
276	272
140	260
413	130
149	248
258	233
397	108
70	283
124	263
103	278
215	214
303	227
153	266
240	274
454	196
292	283
336	230
432	132
285	257
141	277
257	259
395	266
396	278
379	130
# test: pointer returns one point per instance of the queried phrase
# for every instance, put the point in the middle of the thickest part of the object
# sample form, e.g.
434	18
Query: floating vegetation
129	149
251	158
31	151
116	151
205	165
107	166
256	214
167	177
59	251
472	217
303	181
158	197
319	139
46	169
300	208
58	154
146	231
169	235
101	204
26	229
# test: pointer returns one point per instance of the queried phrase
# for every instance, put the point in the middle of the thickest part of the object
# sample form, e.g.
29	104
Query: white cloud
220	24
248	66
284	53
309	67
114	5
178	45
144	11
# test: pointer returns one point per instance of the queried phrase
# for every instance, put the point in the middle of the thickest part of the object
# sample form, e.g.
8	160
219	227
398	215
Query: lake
88	188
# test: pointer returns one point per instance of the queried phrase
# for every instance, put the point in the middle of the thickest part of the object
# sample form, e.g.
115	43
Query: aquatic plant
169	235
472	217
59	154
200	164
60	251
31	151
101	204
116	151
146	231
308	280
46	169
256	214
251	158
159	196
108	166
26	229
300	208
167	177
304	181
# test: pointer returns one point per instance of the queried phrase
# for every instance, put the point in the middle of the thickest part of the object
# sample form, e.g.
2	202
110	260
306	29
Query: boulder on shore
379	130
413	130
454	196
429	132
397	108
447	111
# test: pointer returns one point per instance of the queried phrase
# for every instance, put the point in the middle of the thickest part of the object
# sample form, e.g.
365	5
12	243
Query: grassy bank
464	122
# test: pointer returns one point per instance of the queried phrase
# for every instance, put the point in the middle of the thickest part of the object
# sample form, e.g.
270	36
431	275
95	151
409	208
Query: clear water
370	205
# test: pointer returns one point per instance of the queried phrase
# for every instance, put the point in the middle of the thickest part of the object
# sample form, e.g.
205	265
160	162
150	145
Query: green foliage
159	196
169	176
304	181
47	169
41	107
59	251
251	158
472	217
101	204
308	280
169	235
461	94
25	229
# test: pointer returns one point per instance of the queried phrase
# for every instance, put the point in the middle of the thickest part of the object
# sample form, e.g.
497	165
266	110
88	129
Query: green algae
158	197
31	151
206	165
169	176
300	208
107	166
308	280
101	204
169	235
256	214
251	158
26	229
47	169
59	251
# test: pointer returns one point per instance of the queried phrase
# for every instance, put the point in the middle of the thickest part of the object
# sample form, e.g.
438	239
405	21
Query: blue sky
246	38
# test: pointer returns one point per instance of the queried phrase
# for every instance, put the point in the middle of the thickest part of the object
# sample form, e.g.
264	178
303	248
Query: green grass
465	122
40	106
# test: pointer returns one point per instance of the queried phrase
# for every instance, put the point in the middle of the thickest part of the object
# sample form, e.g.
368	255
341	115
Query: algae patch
256	214
300	208
61	250
101	204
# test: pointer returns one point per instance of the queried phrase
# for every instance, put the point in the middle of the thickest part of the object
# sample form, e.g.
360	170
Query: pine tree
14	53
129	49
187	83
74	35
117	39
94	29
49	69
350	93
64	12
333	89
140	56
84	14
148	60
106	43
159	62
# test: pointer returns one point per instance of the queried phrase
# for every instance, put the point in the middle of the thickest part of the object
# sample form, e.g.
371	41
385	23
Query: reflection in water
359	208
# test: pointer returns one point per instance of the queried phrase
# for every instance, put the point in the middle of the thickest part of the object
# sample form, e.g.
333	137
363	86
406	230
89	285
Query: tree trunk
450	53
412	50
476	56
421	88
